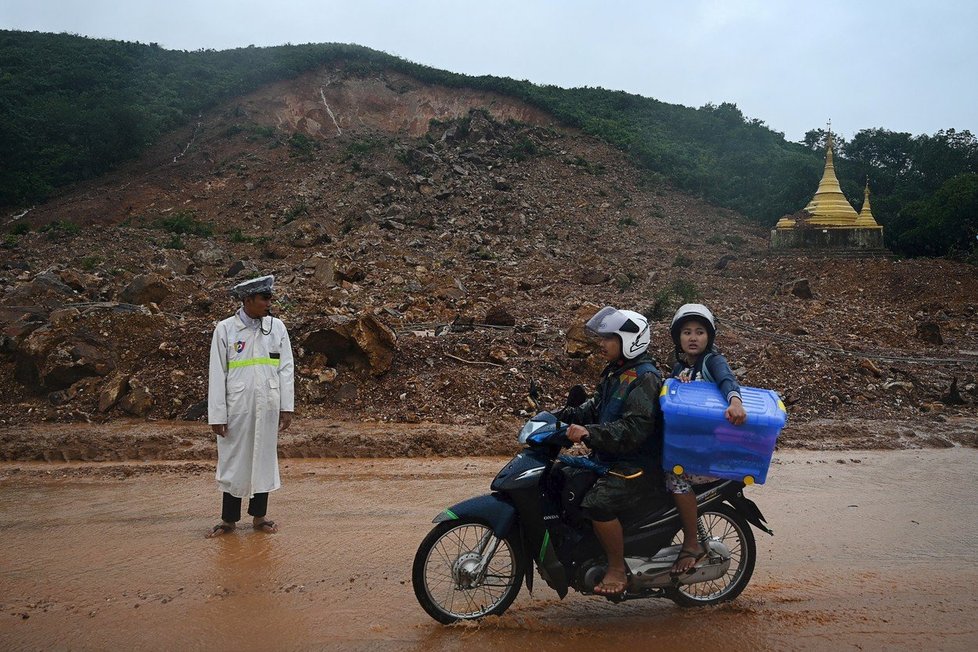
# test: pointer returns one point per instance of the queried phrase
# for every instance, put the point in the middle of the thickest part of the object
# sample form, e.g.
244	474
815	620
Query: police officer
251	396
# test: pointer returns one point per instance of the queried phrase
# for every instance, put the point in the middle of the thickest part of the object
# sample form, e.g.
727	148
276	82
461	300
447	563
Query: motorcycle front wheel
723	524
462	571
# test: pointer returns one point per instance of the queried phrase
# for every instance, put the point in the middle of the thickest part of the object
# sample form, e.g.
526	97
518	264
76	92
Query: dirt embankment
114	446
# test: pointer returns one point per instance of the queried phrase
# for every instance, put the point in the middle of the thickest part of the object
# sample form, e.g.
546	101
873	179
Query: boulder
594	277
930	332
323	269
210	256
578	343
113	389
801	289
53	358
724	261
146	289
241	266
363	343
304	233
139	401
51	282
499	316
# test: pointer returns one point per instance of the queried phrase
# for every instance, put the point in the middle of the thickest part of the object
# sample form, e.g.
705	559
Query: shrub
88	263
301	145
299	208
59	228
237	236
668	299
523	149
185	223
20	228
682	261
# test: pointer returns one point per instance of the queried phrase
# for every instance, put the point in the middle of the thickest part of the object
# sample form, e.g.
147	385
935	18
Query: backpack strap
705	371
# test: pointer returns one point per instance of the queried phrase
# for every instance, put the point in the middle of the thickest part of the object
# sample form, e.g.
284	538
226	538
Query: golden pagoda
865	220
829	221
829	207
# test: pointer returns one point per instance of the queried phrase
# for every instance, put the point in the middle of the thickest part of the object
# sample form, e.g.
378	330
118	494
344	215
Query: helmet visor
606	321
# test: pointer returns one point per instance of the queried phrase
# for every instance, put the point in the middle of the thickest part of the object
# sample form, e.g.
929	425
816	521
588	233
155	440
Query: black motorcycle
481	550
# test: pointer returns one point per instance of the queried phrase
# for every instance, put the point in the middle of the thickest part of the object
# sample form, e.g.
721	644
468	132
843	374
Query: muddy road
872	550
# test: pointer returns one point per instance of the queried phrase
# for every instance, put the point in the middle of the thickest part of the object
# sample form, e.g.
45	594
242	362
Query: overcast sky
899	64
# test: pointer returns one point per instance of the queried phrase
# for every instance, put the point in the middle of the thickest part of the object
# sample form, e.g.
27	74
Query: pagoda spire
829	207
865	220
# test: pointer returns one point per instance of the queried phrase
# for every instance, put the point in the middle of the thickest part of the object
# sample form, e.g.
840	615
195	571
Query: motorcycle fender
750	510
491	509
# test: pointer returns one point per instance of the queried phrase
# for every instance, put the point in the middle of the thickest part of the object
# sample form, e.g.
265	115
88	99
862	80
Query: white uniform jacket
251	379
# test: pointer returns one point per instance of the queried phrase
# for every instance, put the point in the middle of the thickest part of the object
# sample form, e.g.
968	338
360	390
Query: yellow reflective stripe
234	364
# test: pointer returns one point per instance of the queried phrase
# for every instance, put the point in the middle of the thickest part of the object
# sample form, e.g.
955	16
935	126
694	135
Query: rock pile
430	278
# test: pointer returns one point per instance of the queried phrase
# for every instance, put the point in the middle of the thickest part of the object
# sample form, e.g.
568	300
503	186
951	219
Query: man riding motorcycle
621	424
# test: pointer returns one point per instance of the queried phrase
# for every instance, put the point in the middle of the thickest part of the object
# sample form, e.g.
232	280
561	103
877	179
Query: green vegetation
72	108
297	209
60	229
89	263
732	240
666	300
185	222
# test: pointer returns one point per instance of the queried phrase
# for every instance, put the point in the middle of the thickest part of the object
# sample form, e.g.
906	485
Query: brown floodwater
872	550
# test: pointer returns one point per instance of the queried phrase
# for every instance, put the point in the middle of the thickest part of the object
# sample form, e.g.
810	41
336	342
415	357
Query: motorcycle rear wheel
729	527
443	576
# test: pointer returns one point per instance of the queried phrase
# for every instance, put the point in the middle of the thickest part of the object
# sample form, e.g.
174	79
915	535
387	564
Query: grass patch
185	223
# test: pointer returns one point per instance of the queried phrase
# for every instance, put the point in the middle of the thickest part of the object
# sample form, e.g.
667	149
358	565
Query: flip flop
609	593
686	554
270	524
223	528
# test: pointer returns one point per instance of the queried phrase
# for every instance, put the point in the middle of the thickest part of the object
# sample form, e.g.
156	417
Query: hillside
73	108
434	250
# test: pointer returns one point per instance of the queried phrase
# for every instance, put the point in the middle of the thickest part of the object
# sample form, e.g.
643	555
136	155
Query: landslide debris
432	256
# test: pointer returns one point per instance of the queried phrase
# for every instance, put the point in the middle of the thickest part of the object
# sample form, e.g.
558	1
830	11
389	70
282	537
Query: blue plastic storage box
699	439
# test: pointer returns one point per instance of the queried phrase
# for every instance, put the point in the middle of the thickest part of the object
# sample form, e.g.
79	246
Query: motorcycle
481	551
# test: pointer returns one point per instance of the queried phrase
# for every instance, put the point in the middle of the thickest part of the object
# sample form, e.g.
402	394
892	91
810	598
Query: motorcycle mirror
576	396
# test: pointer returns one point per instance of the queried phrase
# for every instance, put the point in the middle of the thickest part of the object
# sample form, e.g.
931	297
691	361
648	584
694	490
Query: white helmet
693	311
630	327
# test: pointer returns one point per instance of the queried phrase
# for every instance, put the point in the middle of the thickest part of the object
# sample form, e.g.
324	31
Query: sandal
219	530
613	589
272	528
686	554
619	589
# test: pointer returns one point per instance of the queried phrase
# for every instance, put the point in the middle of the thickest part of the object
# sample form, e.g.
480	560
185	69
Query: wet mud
871	551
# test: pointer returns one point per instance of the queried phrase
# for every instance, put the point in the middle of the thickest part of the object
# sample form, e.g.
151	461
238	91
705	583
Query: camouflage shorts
612	497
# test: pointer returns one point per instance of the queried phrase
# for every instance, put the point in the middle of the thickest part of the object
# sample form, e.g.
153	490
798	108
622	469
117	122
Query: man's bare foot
687	559
614	582
220	530
266	526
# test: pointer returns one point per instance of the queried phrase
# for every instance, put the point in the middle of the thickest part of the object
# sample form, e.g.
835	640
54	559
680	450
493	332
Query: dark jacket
622	418
714	368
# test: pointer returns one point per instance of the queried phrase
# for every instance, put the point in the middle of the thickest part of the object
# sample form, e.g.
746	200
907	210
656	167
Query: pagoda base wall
866	240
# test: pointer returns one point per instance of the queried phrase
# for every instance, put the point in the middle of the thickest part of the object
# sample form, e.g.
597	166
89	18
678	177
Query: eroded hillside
387	210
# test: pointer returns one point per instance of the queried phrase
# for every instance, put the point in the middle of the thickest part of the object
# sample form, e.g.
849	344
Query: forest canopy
72	108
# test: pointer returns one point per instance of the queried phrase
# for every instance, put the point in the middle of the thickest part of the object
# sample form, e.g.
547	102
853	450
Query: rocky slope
434	250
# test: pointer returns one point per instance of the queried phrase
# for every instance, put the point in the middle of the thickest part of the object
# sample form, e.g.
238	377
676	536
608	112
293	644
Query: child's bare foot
264	525
687	559
220	530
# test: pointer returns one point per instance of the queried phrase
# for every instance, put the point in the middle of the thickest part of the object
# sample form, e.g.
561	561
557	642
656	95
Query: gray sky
899	64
